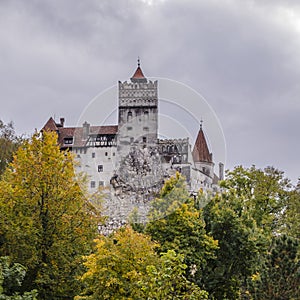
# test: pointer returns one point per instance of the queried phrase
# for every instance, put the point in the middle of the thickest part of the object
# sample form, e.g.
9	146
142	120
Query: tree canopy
46	222
126	266
9	142
11	277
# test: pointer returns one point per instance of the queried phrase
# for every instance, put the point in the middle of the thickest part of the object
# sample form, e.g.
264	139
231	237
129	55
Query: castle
128	159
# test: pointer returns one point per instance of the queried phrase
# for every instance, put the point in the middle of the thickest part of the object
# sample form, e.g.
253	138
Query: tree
9	143
126	266
291	220
117	265
244	218
177	225
11	277
279	277
46	221
168	281
240	244
265	193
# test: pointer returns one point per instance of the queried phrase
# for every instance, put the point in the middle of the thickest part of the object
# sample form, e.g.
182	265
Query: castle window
68	140
93	184
131	140
144	139
106	153
146	128
146	113
114	154
129	128
93	155
100	168
129	116
101	183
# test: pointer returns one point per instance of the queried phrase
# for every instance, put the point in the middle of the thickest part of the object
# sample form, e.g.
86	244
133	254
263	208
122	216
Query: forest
240	243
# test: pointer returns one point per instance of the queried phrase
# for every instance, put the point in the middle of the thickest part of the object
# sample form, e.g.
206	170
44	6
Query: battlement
138	93
175	150
173	141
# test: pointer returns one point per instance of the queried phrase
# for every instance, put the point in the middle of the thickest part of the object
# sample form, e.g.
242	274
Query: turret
201	154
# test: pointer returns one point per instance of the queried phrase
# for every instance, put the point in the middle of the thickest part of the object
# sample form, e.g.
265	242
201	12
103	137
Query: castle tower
201	155
138	100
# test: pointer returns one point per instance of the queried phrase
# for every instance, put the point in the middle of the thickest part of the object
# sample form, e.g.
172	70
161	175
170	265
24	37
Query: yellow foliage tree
46	222
126	266
117	265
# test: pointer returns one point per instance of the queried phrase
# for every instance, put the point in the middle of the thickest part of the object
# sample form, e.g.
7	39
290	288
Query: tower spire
201	122
138	75
201	152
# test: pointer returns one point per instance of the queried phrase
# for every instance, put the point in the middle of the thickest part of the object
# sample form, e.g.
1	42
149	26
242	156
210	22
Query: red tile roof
108	129
138	74
77	132
200	151
50	125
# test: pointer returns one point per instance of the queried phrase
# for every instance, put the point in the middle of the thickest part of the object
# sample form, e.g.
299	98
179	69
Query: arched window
129	116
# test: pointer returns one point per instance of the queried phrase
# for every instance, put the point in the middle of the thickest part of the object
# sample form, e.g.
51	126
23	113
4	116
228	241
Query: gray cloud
242	56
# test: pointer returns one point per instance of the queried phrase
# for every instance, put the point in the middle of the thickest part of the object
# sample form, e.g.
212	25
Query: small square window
100	168
101	183
93	155
93	184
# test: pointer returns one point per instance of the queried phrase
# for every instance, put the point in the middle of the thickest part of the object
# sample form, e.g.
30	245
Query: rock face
138	180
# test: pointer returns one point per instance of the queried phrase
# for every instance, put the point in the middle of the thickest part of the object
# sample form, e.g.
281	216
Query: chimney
221	171
86	130
62	122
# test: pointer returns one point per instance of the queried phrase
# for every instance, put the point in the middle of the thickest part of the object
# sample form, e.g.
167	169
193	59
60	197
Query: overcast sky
242	56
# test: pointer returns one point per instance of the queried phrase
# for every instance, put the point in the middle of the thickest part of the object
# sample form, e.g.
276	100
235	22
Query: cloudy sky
242	56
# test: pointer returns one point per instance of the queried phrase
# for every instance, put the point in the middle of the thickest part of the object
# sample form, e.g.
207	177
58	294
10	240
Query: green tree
46	222
265	193
252	208
240	244
11	277
168	281
9	142
291	220
177	225
279	277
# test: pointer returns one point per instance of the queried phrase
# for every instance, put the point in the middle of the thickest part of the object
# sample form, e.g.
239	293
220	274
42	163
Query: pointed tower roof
50	125
201	152
138	75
